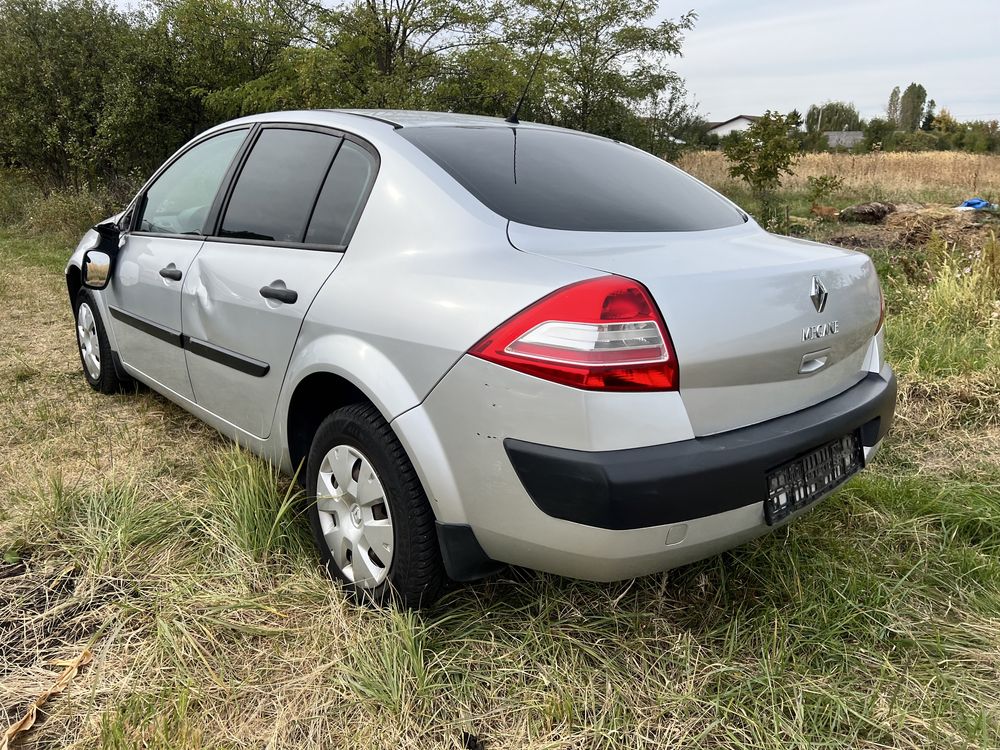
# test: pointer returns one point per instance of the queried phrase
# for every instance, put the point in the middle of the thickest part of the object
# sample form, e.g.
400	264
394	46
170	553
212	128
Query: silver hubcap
354	516
90	346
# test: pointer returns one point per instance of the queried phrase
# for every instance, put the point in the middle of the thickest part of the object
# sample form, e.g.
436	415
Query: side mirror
97	261
96	269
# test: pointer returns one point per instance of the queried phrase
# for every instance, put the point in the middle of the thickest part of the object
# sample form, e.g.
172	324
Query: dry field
898	176
130	529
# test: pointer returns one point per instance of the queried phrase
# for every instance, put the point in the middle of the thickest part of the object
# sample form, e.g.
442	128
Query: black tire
416	575
108	379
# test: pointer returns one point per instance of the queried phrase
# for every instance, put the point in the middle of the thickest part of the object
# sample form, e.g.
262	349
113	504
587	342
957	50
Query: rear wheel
95	348
369	516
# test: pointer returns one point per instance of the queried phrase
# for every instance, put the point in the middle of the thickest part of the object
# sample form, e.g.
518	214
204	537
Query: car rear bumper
704	476
619	497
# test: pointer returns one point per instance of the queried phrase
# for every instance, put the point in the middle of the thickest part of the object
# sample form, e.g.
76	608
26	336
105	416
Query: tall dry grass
898	176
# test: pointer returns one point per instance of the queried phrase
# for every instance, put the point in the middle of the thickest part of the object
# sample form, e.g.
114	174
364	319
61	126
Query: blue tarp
976	203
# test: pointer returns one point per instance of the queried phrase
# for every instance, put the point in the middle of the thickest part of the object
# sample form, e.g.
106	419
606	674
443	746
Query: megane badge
818	294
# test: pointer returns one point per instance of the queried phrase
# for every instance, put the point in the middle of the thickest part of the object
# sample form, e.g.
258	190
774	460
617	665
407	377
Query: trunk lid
751	344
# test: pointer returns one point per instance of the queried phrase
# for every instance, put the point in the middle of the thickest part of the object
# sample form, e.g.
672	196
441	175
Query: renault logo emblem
818	294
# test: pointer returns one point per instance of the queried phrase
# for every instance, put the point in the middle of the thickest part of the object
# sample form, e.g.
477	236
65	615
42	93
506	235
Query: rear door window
342	197
564	180
277	188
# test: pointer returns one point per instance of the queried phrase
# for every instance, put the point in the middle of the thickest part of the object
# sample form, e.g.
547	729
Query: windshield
563	180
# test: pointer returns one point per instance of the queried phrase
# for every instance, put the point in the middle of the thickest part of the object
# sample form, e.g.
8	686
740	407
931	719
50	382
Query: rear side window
342	197
277	187
562	180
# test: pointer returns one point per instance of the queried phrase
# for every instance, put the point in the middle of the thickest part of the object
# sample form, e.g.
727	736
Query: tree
918	140
88	91
892	109
879	134
609	60
389	53
928	122
225	48
821	118
763	152
604	70
945	122
911	106
671	125
93	93
488	81
979	137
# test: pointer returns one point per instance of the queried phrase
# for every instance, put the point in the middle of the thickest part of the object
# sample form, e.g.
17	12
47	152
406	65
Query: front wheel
95	348
368	512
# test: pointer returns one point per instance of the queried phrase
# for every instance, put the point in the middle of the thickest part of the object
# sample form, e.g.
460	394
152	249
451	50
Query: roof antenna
548	40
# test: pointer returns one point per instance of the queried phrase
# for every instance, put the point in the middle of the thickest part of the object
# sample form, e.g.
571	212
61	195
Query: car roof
369	121
409	118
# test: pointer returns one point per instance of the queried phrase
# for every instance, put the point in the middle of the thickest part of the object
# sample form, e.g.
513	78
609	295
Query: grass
185	564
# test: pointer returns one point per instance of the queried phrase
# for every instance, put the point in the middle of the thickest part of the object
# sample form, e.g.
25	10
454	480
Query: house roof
751	118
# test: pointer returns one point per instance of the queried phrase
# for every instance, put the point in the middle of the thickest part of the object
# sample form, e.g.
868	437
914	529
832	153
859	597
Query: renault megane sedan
484	343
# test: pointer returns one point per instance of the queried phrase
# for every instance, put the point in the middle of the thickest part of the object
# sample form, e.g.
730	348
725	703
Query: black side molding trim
464	559
226	357
147	326
676	482
232	359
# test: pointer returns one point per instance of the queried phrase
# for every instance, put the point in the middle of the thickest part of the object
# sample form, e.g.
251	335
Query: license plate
804	480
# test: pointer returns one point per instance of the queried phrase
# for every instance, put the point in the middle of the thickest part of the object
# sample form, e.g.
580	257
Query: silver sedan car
484	343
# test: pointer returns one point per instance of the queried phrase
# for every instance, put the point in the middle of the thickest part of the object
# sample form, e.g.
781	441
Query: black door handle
279	293
171	272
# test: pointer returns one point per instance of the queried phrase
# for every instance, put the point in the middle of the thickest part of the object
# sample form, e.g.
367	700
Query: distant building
740	122
844	138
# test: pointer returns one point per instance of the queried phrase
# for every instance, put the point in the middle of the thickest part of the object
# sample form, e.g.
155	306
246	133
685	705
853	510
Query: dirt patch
46	614
909	227
871	239
914	226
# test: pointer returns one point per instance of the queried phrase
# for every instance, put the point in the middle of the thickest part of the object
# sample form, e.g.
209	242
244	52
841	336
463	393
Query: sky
744	57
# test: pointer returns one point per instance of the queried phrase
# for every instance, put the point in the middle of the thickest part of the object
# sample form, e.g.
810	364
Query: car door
283	230
167	233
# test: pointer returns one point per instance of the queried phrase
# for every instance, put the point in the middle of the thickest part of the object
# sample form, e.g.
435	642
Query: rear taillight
601	334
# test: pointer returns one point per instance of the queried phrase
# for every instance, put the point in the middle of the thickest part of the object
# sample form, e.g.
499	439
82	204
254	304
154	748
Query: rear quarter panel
428	273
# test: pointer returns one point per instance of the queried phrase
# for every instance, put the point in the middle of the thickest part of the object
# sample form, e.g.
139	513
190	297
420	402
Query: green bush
68	212
16	193
823	186
918	140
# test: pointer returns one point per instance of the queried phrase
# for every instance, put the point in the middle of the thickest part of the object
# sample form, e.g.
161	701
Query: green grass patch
49	252
870	622
950	326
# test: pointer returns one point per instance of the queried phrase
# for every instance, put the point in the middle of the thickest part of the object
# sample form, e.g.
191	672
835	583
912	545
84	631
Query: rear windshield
561	180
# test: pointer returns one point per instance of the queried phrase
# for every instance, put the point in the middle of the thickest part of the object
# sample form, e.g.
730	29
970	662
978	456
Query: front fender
89	241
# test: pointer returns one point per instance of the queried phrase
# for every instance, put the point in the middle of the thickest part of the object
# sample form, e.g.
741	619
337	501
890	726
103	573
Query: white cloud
784	54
